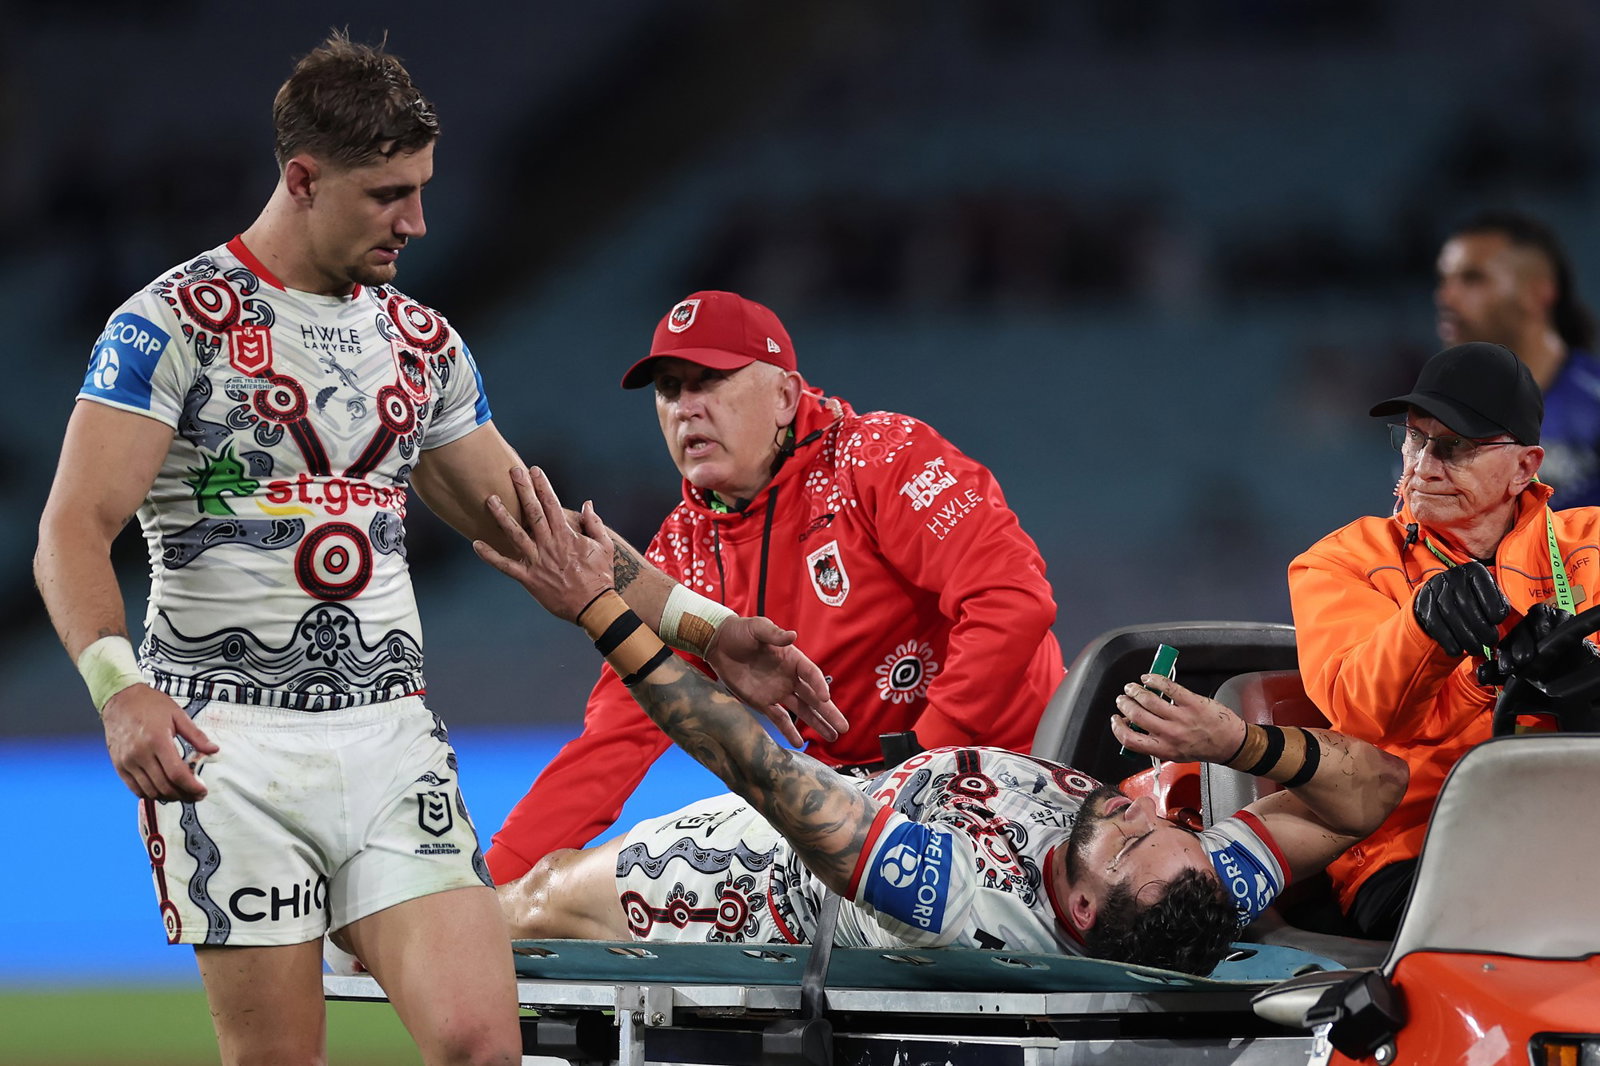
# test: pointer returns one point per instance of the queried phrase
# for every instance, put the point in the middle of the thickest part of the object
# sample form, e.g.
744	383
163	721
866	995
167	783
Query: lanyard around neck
1558	569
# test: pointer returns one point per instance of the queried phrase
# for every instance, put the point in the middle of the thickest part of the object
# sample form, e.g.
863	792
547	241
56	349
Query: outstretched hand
1191	728
563	568
758	662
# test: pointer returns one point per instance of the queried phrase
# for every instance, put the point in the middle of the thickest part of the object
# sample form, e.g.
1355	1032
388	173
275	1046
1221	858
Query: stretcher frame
763	1005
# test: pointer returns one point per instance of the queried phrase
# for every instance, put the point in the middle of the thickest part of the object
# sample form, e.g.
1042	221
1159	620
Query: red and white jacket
910	583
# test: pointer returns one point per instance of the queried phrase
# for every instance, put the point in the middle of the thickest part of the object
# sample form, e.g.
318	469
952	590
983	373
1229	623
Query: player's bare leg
266	1003
568	894
444	961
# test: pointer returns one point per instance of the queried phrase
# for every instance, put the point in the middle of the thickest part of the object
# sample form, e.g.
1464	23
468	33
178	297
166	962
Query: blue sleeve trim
910	875
480	409
124	361
1249	882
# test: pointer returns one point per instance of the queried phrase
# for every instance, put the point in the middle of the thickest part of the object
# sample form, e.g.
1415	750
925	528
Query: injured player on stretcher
973	847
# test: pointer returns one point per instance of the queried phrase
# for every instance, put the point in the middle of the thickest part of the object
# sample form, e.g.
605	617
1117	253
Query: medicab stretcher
779	1005
753	1005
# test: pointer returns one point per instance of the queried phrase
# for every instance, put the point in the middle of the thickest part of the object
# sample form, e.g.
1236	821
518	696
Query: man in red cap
1393	616
891	553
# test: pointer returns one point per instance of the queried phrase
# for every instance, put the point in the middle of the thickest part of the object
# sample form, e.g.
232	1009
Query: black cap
1478	390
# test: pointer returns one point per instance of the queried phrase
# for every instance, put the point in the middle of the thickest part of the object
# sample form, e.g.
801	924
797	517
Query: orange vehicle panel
1481	1010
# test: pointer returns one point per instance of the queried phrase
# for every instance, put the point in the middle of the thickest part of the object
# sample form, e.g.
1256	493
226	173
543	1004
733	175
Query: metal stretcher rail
742	1005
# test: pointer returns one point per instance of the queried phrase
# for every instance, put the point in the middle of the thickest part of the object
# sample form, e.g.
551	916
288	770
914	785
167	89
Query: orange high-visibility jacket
1377	676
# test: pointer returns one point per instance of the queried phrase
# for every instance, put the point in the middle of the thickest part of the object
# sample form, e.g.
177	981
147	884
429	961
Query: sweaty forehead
1167	852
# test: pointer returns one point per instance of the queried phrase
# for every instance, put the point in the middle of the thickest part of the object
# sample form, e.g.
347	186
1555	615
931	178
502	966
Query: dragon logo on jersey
224	474
828	575
904	674
682	316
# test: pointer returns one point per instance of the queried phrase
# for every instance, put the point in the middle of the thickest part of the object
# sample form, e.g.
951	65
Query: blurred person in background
1394	616
890	552
1505	278
263	409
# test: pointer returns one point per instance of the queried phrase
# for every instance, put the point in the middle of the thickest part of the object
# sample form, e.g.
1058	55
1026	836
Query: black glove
1516	655
1460	609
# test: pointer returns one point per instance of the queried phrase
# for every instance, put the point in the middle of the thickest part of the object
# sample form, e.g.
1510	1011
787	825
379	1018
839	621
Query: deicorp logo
910	879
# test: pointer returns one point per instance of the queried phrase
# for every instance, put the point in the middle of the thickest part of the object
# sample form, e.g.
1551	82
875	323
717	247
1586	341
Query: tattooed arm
817	810
570	572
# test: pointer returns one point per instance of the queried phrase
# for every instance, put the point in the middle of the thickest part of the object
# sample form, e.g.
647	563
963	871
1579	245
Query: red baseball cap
721	330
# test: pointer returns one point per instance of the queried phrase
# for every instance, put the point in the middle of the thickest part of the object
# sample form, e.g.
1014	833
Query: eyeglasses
1451	450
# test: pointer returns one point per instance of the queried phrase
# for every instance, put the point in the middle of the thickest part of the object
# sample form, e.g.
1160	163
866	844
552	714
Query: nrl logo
250	349
434	814
682	316
828	576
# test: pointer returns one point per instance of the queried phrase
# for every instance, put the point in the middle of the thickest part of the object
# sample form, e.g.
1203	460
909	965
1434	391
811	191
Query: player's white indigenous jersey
275	527
963	851
960	854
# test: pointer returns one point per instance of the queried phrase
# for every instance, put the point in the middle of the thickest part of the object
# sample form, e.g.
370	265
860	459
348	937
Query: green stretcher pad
941	970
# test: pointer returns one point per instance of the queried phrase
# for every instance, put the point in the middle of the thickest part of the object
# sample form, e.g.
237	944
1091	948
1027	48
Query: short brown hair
350	104
1189	929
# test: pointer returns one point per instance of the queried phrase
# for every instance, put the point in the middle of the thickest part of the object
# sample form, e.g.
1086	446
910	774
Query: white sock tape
689	620
108	666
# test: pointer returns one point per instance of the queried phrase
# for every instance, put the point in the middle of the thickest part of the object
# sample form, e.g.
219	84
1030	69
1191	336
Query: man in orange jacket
1394	615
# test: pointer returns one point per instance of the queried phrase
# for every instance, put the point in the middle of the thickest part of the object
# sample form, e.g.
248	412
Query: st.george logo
828	576
682	316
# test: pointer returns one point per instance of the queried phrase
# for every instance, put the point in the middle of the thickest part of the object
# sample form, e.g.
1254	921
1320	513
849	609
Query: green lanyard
1558	570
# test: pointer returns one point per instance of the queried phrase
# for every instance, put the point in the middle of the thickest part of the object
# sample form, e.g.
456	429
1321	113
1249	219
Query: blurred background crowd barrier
1149	260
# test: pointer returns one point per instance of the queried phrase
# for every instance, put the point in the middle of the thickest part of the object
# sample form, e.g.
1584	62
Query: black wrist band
1242	742
618	631
578	618
644	671
1308	769
1274	752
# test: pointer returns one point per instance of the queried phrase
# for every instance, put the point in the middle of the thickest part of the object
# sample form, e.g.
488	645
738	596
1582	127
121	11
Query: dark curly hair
1571	319
349	105
1189	929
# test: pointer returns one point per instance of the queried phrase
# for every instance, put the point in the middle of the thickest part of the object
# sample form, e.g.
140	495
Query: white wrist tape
689	620
108	666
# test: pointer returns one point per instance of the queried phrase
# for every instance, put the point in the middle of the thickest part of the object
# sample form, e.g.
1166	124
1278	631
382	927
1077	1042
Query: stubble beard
1090	816
373	276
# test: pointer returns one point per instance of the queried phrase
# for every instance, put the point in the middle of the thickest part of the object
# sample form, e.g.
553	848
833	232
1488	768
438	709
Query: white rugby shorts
312	820
714	871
